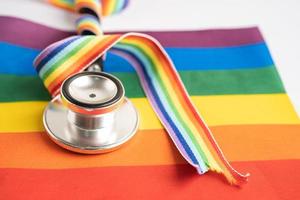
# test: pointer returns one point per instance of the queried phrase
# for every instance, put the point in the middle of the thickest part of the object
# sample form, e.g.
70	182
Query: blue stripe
54	52
164	112
18	60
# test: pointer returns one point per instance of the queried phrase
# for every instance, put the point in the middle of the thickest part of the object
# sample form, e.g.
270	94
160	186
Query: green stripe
22	88
67	53
246	81
149	63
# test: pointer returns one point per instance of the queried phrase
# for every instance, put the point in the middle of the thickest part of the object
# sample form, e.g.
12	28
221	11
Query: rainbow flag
232	80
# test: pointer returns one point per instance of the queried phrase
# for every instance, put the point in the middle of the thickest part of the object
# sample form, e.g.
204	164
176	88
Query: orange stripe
91	28
152	147
82	62
80	65
197	121
106	4
62	5
173	77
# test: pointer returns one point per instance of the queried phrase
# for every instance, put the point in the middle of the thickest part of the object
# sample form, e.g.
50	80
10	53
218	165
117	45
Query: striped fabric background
233	82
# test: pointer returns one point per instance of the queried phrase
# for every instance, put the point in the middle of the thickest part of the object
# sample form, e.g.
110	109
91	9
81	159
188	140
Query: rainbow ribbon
159	79
101	7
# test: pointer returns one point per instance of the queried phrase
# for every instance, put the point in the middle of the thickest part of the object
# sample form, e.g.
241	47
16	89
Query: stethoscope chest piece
91	115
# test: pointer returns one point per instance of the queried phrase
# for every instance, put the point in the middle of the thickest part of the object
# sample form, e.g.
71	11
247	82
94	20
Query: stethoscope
91	115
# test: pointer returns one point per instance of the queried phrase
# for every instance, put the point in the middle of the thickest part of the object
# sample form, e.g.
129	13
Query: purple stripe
149	95
154	105
30	34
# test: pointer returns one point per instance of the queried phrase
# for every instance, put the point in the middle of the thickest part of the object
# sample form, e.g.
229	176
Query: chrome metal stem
91	122
95	67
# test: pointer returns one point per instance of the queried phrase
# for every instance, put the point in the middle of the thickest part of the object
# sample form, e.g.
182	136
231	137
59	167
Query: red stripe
194	117
200	124
270	180
81	64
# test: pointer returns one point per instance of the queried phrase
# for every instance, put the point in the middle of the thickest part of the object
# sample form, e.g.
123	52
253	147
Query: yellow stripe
72	60
216	110
177	105
108	8
63	5
239	143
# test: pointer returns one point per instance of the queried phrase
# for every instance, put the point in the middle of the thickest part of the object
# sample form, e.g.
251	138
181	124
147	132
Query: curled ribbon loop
160	81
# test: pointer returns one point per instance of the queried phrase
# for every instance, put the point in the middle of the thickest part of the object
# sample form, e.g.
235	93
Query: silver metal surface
90	134
91	121
92	89
95	67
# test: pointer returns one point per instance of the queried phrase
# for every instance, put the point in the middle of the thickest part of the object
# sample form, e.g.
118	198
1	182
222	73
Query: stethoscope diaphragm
91	115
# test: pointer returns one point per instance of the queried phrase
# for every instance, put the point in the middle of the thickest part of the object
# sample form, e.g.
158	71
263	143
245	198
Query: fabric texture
159	78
